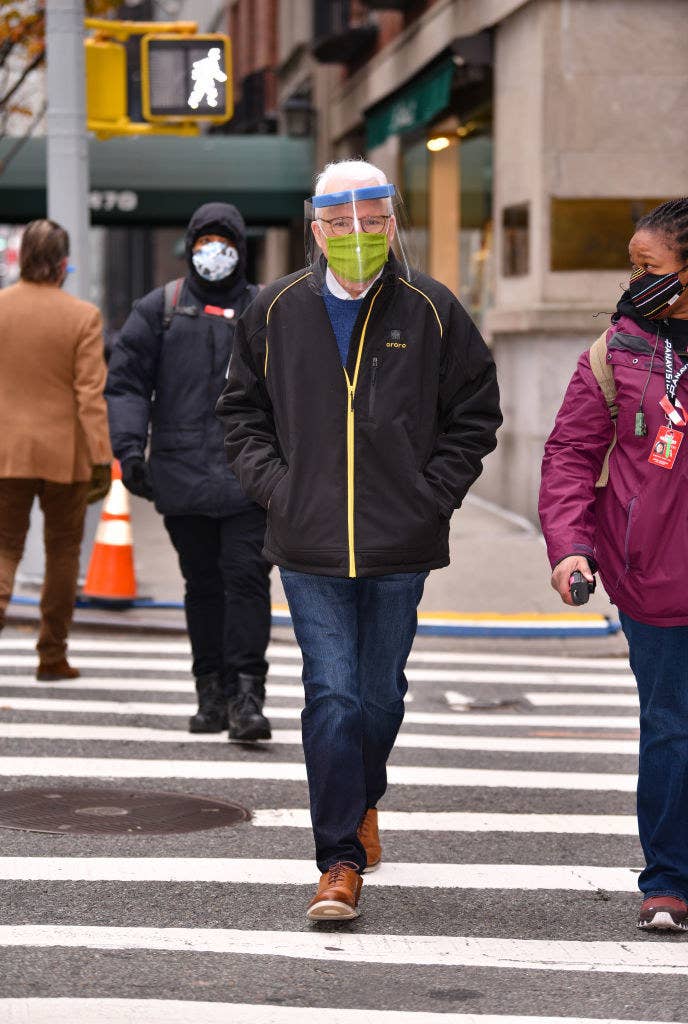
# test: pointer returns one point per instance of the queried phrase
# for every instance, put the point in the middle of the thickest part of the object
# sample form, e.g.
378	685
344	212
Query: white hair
356	170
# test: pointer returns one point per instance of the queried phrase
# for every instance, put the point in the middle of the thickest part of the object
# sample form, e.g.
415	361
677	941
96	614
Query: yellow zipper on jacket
351	391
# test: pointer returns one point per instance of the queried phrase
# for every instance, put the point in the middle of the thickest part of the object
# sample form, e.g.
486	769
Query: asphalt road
507	891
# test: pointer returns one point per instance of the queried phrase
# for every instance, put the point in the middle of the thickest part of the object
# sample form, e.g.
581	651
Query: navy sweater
342	313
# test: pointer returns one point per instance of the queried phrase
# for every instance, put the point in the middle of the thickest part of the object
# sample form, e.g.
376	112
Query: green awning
162	180
412	106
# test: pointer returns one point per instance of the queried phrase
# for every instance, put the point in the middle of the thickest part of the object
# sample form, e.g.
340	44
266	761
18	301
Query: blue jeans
355	636
659	659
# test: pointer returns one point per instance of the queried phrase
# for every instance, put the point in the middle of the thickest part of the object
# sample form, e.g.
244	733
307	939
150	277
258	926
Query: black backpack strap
171	294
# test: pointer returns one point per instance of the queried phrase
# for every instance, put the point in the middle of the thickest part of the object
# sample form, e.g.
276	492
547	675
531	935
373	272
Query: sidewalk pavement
498	565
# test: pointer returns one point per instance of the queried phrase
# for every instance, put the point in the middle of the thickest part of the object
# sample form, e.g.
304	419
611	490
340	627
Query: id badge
665	447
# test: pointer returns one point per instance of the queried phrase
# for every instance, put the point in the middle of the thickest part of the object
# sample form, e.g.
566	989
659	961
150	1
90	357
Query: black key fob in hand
580	588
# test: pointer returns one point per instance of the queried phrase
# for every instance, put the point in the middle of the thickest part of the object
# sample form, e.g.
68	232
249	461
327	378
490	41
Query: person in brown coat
54	440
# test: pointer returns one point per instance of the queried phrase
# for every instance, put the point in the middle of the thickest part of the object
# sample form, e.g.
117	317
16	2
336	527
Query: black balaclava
217	219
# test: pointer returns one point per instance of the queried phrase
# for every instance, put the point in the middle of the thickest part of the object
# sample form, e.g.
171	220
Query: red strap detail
214	310
177	290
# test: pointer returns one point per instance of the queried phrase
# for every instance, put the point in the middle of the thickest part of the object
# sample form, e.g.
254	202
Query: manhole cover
114	811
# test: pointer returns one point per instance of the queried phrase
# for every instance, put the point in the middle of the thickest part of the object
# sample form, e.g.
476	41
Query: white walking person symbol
204	74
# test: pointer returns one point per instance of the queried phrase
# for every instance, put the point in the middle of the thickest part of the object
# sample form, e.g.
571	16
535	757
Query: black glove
100	483
136	477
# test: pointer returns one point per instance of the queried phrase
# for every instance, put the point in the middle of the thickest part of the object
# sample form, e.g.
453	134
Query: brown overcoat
53	418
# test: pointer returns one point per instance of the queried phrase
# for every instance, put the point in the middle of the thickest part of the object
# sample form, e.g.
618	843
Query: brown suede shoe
337	895
51	672
370	838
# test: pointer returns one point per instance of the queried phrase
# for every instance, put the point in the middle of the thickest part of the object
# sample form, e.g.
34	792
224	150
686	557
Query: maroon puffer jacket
636	528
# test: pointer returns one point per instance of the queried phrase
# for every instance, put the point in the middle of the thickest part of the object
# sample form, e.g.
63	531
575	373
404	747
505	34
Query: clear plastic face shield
351	232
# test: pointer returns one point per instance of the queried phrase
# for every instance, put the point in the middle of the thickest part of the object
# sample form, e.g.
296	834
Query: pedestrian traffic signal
106	81
185	78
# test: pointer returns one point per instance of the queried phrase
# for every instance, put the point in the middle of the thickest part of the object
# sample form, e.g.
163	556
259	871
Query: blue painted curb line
549	627
548	630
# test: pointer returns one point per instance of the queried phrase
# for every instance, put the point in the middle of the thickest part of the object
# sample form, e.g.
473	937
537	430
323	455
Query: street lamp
299	116
437	143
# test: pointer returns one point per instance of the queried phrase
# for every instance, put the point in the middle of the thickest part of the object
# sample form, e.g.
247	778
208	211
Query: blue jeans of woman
659	660
355	636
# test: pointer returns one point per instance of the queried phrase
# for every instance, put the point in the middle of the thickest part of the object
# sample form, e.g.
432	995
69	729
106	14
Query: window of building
515	240
447	190
593	234
415	163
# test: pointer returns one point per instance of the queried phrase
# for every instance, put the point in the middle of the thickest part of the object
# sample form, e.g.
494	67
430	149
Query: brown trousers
64	509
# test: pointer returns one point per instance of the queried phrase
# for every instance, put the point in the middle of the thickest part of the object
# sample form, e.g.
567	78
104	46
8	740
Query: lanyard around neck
670	377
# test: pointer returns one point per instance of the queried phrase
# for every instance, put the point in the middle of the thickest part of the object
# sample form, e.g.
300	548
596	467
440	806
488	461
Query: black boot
246	719
212	705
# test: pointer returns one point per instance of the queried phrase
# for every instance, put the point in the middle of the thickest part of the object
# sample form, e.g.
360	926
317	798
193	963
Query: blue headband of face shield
355	195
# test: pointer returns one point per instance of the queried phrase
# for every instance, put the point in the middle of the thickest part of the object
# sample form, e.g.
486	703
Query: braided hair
671	220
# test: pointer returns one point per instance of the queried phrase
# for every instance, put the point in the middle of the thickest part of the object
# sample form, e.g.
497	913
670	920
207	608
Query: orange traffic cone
110	579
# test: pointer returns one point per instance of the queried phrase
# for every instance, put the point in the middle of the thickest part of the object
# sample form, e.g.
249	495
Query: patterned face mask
215	261
654	294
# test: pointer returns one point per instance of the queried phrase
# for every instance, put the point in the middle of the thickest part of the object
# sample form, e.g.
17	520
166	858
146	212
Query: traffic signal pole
67	148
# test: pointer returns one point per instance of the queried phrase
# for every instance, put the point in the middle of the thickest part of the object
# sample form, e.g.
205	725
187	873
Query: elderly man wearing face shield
360	403
167	371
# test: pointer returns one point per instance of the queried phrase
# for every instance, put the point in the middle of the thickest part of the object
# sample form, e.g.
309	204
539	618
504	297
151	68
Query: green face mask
357	257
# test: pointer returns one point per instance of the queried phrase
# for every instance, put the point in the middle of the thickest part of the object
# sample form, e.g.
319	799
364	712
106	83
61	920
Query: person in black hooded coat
166	373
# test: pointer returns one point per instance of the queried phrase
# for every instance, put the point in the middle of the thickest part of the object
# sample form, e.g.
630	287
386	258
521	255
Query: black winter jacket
171	379
360	467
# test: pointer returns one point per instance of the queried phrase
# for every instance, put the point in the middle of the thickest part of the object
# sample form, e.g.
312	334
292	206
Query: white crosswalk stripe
569	699
446	950
172	1011
56	703
110	684
291	652
292	670
565	775
292	737
130	768
469	821
145	685
258	871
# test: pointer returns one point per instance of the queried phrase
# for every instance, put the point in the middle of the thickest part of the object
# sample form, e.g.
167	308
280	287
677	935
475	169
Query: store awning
412	106
162	180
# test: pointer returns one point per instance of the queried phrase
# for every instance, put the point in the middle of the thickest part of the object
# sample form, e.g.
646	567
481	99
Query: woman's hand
562	571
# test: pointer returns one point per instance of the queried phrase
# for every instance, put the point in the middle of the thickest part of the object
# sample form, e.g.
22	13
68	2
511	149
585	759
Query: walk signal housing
184	78
106	81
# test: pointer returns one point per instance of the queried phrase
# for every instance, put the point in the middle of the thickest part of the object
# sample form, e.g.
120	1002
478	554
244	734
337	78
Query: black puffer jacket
360	467
170	379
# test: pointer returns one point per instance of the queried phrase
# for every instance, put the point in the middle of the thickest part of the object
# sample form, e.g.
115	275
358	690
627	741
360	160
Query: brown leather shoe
337	895
664	912
370	838
51	672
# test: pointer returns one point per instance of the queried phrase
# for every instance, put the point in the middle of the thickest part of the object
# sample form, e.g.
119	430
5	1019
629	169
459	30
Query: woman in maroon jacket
635	530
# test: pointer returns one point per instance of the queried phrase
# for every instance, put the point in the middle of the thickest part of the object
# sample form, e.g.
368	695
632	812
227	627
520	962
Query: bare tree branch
6	160
38	60
6	49
32	27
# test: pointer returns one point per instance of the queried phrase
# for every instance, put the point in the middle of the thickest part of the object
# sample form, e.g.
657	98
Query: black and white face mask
653	295
215	261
